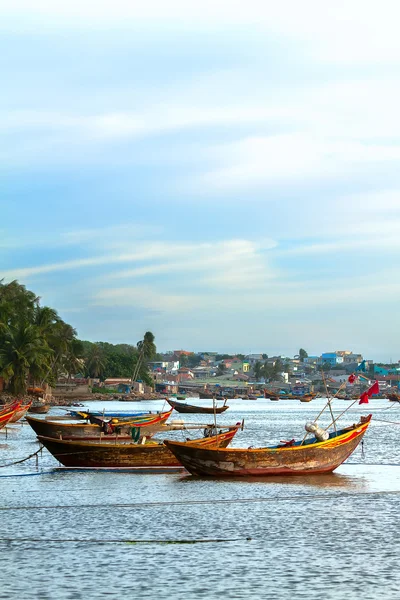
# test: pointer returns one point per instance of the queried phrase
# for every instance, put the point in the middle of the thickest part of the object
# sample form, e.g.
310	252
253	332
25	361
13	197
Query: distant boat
190	408
288	458
38	407
393	397
206	395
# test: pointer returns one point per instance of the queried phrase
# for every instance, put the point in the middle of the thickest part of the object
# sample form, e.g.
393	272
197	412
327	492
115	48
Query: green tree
146	352
23	355
278	367
258	370
34	341
193	360
95	361
183	360
302	354
221	370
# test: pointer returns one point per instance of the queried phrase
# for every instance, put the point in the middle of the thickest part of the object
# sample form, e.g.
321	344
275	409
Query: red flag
364	398
352	378
373	389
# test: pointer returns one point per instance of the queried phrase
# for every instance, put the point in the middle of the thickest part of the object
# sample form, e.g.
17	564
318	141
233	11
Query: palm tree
16	303
23	354
46	318
258	369
146	351
59	336
96	361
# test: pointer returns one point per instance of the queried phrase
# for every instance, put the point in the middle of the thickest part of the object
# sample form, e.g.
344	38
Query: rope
205	502
384	421
17	462
124	541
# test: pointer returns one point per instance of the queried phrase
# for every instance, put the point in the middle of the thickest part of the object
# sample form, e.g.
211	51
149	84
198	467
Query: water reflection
321	481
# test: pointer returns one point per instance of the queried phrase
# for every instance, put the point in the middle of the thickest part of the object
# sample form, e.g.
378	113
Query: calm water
332	537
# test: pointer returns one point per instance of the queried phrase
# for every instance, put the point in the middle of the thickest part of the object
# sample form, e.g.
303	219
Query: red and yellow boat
8	412
291	458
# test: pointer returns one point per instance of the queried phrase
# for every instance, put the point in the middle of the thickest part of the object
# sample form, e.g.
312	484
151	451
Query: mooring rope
384	421
17	462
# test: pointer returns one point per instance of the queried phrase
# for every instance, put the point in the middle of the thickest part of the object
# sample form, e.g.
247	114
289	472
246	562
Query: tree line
37	347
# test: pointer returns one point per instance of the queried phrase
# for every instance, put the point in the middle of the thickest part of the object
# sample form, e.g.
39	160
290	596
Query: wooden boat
290	458
8	412
206	395
306	398
190	408
124	455
393	397
112	430
270	394
85	414
20	412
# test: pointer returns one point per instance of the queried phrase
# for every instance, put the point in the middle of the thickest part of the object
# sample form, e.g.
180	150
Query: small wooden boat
290	458
8	412
190	408
393	397
20	412
306	398
117	414
270	394
206	395
124	455
99	428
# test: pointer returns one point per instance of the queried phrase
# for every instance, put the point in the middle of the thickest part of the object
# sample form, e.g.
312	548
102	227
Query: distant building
332	358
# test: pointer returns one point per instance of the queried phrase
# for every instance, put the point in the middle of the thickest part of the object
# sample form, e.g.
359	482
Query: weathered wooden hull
40	409
205	395
319	457
393	397
21	412
117	455
65	431
8	412
190	408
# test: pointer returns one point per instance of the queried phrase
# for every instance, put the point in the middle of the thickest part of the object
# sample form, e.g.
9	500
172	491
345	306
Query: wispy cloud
292	157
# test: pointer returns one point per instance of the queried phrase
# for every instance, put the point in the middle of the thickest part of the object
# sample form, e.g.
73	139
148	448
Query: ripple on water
331	536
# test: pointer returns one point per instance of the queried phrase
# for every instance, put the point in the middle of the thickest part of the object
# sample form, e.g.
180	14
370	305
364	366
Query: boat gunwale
340	439
232	430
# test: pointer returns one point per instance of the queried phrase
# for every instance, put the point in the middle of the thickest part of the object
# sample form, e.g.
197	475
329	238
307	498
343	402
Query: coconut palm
23	354
146	351
96	362
16	303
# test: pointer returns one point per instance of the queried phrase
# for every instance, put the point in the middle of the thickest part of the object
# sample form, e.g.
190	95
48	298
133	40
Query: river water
68	535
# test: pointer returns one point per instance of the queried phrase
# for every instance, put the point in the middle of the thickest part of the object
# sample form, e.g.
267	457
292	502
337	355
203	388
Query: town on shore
42	355
209	374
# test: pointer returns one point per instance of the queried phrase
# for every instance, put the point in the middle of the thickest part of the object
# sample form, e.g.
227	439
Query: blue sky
224	174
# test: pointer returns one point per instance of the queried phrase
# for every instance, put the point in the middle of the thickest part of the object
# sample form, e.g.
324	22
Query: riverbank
76	400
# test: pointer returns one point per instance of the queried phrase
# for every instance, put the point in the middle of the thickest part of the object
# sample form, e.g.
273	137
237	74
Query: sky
225	174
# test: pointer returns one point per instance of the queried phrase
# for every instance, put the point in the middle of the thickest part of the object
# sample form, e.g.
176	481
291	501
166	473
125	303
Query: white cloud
351	30
210	257
291	157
